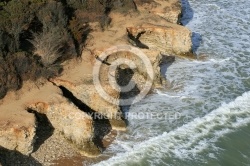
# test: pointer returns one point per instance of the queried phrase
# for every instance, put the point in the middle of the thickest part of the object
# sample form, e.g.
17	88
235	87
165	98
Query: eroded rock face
169	39
75	125
170	11
17	132
88	95
141	73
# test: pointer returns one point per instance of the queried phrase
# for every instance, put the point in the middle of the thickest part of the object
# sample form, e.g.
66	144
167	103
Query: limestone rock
146	5
169	39
140	74
171	11
88	95
17	131
75	125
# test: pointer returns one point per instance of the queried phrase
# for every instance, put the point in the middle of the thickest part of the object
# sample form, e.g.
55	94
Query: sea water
208	101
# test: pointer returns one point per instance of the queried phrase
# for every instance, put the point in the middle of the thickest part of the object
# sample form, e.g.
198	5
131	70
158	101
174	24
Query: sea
203	117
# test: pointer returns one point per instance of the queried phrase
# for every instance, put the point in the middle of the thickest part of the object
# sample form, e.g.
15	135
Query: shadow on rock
101	129
129	90
187	12
13	158
196	40
166	63
101	124
44	129
187	16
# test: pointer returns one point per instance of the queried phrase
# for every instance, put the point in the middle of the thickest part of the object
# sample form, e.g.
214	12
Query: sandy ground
51	148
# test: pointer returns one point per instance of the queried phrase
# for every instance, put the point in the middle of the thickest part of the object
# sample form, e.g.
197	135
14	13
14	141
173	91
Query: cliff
169	39
75	125
84	102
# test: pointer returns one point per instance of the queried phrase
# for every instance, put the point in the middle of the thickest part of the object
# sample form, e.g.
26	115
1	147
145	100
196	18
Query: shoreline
81	160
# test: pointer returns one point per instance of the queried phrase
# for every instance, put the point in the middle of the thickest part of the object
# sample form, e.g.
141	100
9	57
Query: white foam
190	139
168	95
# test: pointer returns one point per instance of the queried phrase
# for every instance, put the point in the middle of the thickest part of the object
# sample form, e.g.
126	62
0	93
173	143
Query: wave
187	141
162	93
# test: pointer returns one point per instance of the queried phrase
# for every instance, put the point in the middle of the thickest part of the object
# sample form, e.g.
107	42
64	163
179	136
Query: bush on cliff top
36	36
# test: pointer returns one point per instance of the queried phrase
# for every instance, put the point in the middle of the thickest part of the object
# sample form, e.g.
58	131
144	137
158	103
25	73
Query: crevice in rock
79	104
44	129
102	125
135	40
136	8
103	61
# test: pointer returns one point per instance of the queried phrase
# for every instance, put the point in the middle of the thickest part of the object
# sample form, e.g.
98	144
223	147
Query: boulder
171	10
169	39
140	73
17	131
86	92
75	125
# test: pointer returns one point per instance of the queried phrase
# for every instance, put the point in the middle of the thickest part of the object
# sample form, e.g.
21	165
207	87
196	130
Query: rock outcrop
17	131
75	125
171	12
155	32
169	39
88	95
140	73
